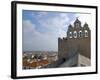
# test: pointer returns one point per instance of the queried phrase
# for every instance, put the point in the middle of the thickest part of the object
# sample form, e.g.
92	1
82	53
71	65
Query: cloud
34	40
42	14
64	17
53	26
38	14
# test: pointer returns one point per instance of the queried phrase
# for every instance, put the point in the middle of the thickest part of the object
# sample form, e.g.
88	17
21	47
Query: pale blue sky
41	29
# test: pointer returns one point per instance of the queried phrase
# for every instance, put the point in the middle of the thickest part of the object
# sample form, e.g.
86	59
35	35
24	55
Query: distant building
78	40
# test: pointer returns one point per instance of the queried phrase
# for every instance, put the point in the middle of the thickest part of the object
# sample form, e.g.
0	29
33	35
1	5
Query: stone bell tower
78	40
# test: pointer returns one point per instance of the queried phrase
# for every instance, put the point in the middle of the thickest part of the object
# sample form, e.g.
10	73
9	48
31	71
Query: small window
75	34
86	33
77	24
70	34
80	33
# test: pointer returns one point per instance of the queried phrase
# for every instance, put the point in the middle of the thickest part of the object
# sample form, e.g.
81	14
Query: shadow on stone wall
55	64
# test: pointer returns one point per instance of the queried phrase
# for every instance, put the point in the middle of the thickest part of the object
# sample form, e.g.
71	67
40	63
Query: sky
41	29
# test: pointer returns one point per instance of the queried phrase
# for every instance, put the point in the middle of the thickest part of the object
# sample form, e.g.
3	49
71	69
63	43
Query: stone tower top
85	26
77	31
77	23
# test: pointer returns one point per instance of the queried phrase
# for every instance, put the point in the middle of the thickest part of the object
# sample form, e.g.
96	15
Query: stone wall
68	46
